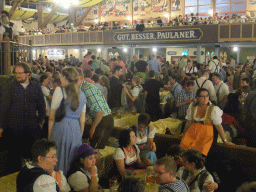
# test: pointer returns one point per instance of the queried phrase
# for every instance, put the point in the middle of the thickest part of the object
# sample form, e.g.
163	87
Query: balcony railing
237	32
71	38
210	33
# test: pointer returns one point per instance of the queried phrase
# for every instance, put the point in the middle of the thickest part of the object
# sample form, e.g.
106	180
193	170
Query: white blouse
215	115
151	135
119	154
57	97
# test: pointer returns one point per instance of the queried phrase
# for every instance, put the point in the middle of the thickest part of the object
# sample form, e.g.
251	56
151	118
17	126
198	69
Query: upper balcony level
232	32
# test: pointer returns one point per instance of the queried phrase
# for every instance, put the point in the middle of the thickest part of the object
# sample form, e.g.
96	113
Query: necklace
129	151
201	111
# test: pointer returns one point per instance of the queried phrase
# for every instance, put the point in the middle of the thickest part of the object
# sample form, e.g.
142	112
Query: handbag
61	111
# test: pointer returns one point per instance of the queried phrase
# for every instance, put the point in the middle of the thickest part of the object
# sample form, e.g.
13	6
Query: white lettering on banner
158	35
123	37
192	34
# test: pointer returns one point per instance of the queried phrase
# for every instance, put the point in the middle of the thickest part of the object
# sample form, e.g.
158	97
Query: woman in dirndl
201	116
145	134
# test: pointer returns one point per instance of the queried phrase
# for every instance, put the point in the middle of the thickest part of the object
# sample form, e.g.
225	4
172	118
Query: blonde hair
136	79
71	89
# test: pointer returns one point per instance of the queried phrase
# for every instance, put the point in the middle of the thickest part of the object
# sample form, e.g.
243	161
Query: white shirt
136	91
207	85
191	71
119	154
212	66
44	182
215	115
221	90
14	29
46	93
79	181
57	97
151	135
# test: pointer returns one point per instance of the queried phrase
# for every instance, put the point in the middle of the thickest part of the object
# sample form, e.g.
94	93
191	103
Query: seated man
36	175
165	173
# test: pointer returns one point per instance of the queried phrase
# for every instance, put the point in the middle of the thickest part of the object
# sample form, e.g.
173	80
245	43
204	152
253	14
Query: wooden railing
210	33
11	53
71	38
237	32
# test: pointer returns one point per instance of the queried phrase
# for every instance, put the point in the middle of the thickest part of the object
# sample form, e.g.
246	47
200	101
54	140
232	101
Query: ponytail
72	96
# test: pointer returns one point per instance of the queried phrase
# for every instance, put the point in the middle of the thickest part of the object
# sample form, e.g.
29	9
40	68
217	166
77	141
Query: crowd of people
54	100
193	19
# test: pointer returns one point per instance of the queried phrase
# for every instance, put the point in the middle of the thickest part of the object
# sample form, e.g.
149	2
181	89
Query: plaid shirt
177	186
184	96
95	99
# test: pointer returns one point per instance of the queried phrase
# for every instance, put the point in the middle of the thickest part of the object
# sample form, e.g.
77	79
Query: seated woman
83	173
36	175
201	116
194	172
135	96
127	156
145	135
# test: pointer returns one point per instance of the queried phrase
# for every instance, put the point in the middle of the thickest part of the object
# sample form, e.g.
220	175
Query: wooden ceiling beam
88	9
14	7
49	16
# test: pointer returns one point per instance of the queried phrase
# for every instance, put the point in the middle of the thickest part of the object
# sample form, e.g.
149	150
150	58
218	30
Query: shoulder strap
203	83
216	69
88	178
185	174
198	84
217	94
203	175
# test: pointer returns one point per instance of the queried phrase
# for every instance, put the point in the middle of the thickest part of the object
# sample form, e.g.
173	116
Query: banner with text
171	35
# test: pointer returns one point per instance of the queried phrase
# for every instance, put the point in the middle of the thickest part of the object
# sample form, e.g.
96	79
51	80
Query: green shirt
95	99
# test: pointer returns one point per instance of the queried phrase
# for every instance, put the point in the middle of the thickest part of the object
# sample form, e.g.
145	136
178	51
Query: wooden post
30	52
7	55
170	10
40	14
99	13
2	5
72	15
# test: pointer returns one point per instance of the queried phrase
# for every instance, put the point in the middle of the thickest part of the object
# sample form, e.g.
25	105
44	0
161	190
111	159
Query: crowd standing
52	100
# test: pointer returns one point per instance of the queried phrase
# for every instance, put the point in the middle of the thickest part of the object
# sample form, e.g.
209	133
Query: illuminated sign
184	53
56	52
173	35
171	53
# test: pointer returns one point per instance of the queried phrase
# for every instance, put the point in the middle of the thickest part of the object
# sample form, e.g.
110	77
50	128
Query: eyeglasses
204	96
53	157
19	73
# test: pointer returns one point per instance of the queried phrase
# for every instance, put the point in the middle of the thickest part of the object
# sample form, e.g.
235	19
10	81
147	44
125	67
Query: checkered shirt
95	99
184	96
177	186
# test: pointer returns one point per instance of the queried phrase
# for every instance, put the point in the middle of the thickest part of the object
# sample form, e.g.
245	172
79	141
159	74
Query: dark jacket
27	177
25	107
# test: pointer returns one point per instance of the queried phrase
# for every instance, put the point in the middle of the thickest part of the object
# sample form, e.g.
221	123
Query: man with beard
7	26
22	111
